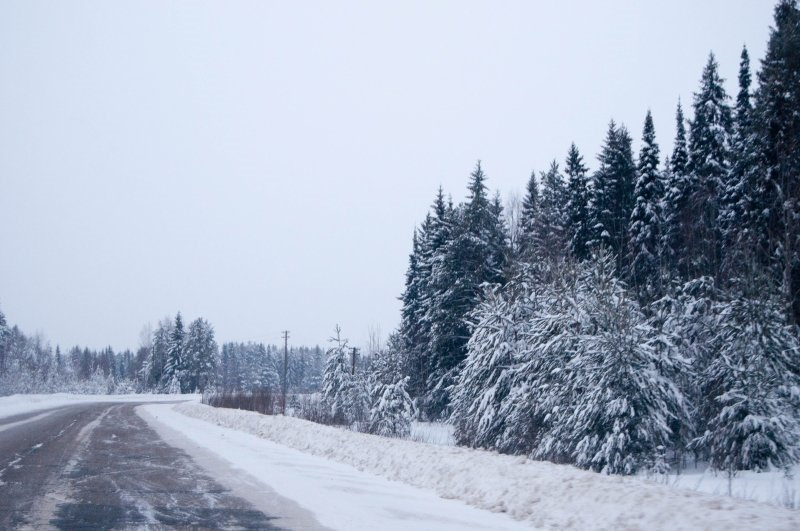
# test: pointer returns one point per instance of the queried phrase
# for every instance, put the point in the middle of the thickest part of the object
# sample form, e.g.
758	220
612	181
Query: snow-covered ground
338	495
21	404
432	433
425	482
542	495
773	487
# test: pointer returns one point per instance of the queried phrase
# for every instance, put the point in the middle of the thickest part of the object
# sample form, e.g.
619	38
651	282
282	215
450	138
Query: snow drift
544	494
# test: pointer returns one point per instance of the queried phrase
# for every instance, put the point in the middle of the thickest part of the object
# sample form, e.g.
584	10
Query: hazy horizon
263	165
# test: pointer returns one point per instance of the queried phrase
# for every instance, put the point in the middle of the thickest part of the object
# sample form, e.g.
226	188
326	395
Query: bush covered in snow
751	384
570	373
393	411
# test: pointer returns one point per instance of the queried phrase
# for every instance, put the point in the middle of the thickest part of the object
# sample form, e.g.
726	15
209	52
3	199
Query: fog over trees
625	314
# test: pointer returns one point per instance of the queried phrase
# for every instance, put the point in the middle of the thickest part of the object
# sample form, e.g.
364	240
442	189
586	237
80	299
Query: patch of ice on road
543	494
340	496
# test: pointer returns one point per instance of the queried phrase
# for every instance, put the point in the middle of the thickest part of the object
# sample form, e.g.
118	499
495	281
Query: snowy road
72	462
339	495
101	466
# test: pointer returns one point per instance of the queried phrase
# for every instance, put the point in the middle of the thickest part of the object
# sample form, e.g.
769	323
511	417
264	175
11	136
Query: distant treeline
171	359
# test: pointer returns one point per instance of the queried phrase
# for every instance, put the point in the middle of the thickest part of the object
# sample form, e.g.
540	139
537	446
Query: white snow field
21	404
338	495
773	487
770	487
536	494
432	433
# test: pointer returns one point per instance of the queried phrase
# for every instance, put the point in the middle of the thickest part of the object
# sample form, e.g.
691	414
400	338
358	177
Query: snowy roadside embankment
21	404
432	433
543	494
773	486
287	483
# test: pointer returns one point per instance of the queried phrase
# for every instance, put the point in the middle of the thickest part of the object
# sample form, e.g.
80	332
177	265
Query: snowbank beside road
337	495
21	404
543	494
773	487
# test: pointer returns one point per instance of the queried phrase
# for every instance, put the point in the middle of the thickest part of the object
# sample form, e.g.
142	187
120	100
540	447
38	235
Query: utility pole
353	361
285	370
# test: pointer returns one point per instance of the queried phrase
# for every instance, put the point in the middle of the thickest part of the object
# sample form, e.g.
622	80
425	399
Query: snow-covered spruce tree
174	386
675	207
686	317
204	354
393	411
550	234
296	370
317	368
358	397
529	214
200	355
612	200
411	332
474	254
486	377
388	365
500	236
709	165
344	394
253	361
622	392
5	333
421	294
539	392
644	268
226	371
735	215
776	128
578	227
157	379
753	423
270	375
336	379
174	367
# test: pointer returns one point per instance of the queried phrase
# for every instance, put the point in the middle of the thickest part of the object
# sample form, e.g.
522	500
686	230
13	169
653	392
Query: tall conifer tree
612	200
578	224
550	231
530	207
472	256
736	203
646	219
675	208
174	368
709	164
776	122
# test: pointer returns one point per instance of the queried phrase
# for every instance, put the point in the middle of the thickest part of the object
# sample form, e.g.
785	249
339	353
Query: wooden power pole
353	361
285	383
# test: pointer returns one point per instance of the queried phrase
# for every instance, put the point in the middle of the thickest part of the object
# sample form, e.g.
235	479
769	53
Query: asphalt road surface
100	466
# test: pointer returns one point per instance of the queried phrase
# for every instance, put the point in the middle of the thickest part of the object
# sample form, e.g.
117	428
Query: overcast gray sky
263	164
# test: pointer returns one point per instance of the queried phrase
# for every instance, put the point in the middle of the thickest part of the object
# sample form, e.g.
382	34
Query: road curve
100	466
